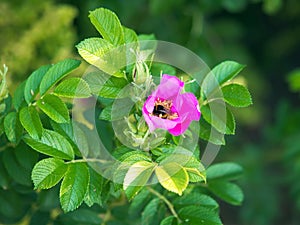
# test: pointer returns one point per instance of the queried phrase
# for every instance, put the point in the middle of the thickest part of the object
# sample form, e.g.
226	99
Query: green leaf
129	35
137	177
106	86
31	121
227	191
54	107
153	212
48	172
197	215
74	135
236	95
100	53
12	127
126	161
170	220
112	88
73	88
18	98
32	85
185	158
223	72
208	133
116	111
81	216
56	73
197	199
26	156
74	186
134	156
108	25
93	194
172	177
193	87
219	117
139	202
224	171
230	122
196	174
15	169
52	144
160	68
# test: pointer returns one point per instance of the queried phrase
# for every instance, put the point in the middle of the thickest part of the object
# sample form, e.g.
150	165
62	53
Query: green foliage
228	192
236	95
215	93
73	88
74	164
48	172
224	171
18	98
198	215
108	25
153	212
209	133
81	216
219	176
112	88
56	73
74	186
220	74
172	177
223	124
54	107
51	143
137	177
95	187
19	159
13	127
33	82
31	121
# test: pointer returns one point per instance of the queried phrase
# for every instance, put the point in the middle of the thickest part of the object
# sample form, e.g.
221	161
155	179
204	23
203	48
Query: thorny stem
166	201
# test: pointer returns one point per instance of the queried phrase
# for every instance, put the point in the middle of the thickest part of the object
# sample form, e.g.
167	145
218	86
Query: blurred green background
263	34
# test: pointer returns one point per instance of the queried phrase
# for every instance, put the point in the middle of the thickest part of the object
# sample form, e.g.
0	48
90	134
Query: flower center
162	109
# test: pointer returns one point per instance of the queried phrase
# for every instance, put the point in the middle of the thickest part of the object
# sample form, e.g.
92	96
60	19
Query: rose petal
180	128
163	123
169	87
187	103
149	103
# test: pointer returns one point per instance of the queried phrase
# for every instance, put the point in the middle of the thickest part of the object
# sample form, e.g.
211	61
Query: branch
167	202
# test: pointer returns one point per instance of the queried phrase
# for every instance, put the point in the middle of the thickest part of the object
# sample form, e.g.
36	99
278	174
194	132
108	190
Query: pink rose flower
167	108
